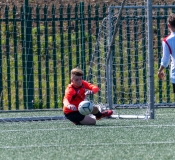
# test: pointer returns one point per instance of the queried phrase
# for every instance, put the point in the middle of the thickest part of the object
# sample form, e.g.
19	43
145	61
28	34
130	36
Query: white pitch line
85	127
86	145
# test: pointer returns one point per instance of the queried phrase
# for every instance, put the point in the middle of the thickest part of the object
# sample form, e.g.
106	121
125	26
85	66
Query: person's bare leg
95	110
88	120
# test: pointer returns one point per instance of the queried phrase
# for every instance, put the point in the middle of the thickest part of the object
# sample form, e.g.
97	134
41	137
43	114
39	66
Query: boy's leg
88	120
79	119
106	113
75	117
99	115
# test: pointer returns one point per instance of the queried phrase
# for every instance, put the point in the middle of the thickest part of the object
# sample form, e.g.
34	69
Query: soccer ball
85	107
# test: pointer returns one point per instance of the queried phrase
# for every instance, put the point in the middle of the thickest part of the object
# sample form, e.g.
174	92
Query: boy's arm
161	73
164	61
90	87
67	99
166	55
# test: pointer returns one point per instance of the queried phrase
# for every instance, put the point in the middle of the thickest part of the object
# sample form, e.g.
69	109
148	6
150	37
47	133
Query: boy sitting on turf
74	94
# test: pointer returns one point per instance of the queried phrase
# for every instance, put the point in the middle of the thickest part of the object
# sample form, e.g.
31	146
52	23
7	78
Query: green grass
110	139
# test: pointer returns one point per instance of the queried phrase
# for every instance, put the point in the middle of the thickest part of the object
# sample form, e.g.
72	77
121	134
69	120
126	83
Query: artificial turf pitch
109	139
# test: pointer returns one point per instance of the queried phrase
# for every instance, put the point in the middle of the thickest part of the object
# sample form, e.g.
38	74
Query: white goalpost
122	63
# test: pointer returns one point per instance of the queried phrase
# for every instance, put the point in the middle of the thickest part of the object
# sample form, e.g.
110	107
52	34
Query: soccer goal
122	63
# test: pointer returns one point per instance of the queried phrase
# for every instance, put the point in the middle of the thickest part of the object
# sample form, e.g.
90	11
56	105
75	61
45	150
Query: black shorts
173	87
75	117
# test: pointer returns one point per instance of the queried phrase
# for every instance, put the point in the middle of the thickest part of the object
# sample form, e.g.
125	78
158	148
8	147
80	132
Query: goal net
121	61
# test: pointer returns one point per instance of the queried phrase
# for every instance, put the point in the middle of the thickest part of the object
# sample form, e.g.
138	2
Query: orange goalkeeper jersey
76	95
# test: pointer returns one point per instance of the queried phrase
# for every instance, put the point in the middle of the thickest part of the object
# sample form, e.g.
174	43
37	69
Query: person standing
168	44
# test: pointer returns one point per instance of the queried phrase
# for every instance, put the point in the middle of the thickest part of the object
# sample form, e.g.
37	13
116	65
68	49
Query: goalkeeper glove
72	107
89	92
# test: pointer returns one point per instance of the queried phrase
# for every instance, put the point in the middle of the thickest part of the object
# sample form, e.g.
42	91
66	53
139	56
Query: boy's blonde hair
76	72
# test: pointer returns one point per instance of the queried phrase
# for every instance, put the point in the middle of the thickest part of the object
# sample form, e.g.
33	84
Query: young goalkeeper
168	44
74	94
